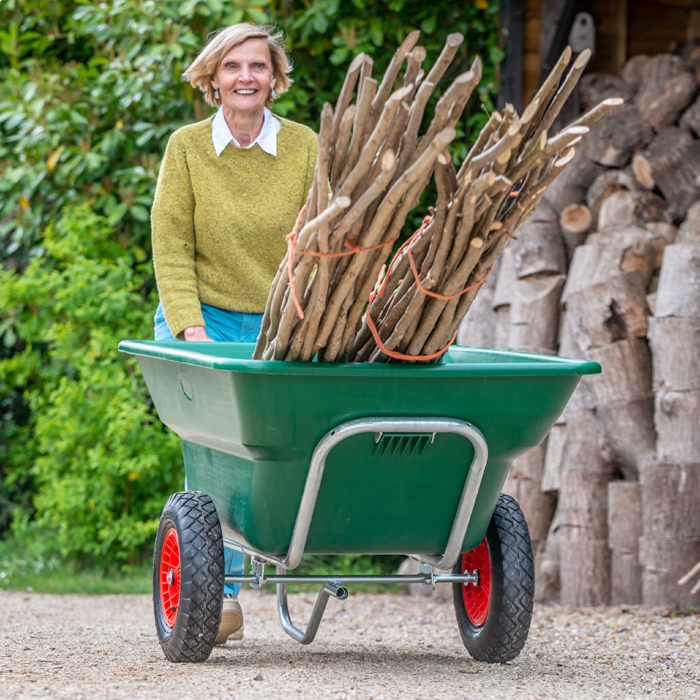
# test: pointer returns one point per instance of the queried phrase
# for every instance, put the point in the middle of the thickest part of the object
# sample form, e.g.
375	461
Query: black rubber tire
503	634
193	635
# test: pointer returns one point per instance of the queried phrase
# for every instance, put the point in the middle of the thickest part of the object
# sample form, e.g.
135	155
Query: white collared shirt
266	139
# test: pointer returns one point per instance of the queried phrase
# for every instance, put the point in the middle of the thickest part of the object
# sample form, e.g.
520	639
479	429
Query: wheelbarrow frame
334	586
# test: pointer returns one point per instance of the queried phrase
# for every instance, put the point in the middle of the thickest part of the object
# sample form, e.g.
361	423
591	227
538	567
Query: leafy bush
89	95
100	460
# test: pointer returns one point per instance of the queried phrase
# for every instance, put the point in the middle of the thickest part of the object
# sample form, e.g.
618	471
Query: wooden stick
341	146
346	96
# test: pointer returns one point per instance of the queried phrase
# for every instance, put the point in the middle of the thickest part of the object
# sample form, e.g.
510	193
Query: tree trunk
679	283
674	157
534	313
665	90
585	573
670	498
609	311
677	421
663	562
628	435
626	371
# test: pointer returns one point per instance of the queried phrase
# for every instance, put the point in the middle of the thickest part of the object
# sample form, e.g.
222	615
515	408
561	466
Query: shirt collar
266	139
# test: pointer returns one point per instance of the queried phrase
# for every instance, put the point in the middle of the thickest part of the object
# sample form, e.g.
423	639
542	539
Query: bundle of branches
378	168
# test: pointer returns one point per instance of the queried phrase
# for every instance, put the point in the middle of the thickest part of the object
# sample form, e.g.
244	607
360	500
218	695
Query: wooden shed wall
624	28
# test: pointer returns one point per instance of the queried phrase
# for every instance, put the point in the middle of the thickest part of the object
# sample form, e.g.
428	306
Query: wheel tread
505	631
202	578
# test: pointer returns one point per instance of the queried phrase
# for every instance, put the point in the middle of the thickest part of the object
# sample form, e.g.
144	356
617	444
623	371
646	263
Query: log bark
585	573
609	311
679	283
665	90
624	514
538	507
626	371
503	293
609	255
540	248
625	208
548	564
571	186
529	465
583	397
534	313
478	329
582	454
634	68
502	327
614	139
670	494
674	157
625	577
663	562
554	459
675	349
599	86
690	120
627	433
689	232
677	421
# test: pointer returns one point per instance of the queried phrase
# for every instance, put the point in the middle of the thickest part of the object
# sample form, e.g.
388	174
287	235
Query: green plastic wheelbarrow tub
249	429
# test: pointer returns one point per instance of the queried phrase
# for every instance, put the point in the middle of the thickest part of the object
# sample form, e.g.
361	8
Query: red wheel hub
477	599
170	576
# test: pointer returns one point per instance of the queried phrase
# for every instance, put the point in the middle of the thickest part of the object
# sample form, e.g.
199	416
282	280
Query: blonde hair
203	68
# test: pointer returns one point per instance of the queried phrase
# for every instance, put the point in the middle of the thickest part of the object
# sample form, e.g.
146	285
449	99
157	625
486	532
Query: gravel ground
370	646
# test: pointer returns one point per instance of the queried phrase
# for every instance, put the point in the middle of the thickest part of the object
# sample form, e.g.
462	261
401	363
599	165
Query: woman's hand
197	333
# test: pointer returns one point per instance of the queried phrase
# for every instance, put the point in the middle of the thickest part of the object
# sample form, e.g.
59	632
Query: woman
229	190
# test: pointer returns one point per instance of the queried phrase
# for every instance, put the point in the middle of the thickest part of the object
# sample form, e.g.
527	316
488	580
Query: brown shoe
231	621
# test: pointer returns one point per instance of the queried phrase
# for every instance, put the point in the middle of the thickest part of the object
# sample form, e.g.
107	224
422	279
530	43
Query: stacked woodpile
601	271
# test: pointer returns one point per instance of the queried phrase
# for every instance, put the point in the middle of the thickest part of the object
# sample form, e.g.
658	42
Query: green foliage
100	459
89	95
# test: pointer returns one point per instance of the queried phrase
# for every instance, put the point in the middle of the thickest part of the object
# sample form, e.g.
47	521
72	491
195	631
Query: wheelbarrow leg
330	589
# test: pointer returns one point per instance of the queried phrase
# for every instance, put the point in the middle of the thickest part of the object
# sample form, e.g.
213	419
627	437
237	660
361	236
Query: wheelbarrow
291	458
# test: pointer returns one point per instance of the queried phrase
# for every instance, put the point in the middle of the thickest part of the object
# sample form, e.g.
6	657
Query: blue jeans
232	327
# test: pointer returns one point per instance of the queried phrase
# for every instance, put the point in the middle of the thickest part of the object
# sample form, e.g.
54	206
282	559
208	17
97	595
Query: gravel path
370	646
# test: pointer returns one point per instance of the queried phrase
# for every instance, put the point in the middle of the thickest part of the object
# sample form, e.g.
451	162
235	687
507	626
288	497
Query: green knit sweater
219	223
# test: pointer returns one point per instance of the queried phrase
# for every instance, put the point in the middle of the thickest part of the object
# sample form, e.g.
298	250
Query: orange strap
291	239
412	263
378	340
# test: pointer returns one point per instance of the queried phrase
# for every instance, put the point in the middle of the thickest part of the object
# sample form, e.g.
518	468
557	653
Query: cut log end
576	219
641	168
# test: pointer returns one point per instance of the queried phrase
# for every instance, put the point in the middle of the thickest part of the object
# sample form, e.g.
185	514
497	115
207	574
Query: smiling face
244	77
